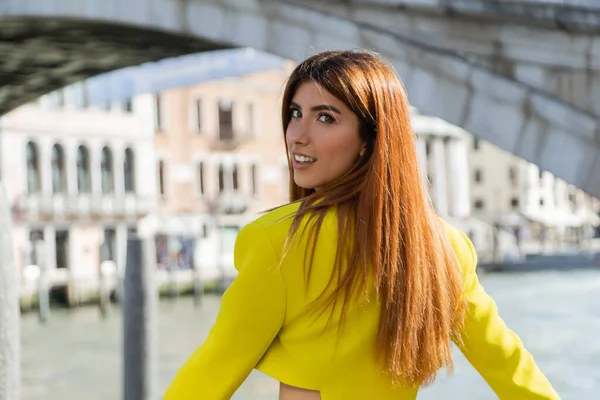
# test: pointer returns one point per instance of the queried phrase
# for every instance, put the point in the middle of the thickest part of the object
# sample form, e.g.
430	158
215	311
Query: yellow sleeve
251	314
495	351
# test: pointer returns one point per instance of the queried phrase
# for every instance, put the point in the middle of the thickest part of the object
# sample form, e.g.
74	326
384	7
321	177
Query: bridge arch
48	44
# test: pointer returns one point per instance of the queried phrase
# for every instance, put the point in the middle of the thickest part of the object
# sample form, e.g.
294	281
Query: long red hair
396	241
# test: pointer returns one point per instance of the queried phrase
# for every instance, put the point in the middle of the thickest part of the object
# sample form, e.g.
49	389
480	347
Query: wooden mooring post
140	322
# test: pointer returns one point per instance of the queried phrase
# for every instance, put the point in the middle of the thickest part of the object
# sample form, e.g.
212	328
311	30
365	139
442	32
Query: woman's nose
297	133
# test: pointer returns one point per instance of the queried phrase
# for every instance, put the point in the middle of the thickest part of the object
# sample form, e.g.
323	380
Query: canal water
77	354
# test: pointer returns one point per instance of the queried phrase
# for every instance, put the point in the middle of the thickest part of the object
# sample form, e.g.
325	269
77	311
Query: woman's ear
362	151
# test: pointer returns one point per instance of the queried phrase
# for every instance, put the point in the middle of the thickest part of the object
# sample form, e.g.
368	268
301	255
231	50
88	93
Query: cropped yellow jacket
263	324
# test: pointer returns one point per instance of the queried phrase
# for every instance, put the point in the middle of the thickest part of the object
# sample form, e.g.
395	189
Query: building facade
220	161
539	211
442	150
77	180
505	204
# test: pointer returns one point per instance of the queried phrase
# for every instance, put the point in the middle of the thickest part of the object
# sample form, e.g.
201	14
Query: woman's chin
303	184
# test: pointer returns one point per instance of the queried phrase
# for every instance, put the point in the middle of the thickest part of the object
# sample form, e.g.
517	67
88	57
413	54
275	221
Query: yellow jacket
262	324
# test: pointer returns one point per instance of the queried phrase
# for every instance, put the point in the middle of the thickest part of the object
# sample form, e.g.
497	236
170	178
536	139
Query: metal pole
214	212
43	290
198	286
140	373
119	286
10	347
221	286
172	276
103	281
120	261
495	239
103	294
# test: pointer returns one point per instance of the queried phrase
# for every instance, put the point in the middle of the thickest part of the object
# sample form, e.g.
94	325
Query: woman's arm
494	350
251	314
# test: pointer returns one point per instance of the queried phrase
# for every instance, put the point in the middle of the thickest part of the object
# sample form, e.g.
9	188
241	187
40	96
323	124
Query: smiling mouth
304	159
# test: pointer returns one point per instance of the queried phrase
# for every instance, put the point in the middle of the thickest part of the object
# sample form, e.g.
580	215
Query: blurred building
442	150
76	178
534	209
186	150
506	204
220	161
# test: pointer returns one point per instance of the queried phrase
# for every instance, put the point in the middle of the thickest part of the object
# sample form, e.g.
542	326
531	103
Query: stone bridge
522	75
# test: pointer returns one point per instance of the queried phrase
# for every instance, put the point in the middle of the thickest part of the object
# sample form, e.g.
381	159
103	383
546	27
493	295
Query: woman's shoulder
264	236
282	215
276	223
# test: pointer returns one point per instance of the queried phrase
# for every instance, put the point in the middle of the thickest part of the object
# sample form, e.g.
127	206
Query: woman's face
322	137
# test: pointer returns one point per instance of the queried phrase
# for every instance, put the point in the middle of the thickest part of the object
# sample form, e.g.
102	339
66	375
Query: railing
225	144
229	143
62	205
230	203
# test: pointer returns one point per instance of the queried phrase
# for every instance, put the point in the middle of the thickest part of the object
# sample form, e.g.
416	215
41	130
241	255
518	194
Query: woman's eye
295	113
326	118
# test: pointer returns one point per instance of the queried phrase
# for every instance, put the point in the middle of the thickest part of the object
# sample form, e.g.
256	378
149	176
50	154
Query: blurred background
160	119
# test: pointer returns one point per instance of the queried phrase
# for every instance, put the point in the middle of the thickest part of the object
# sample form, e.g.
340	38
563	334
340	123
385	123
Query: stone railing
74	206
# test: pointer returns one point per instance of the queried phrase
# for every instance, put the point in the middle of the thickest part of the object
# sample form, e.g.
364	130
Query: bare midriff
287	392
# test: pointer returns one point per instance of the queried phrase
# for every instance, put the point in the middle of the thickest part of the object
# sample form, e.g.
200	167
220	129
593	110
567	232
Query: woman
356	289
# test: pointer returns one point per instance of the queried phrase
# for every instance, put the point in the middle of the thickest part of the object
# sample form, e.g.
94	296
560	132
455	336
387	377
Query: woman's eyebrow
320	107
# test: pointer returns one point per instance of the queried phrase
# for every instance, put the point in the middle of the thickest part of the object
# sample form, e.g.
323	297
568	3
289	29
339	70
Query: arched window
161	178
129	171
235	177
58	169
33	168
513	176
107	171
83	170
253	173
221	179
225	120
158	112
201	177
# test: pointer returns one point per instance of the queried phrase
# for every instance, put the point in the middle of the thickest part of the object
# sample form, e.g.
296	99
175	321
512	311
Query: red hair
396	240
